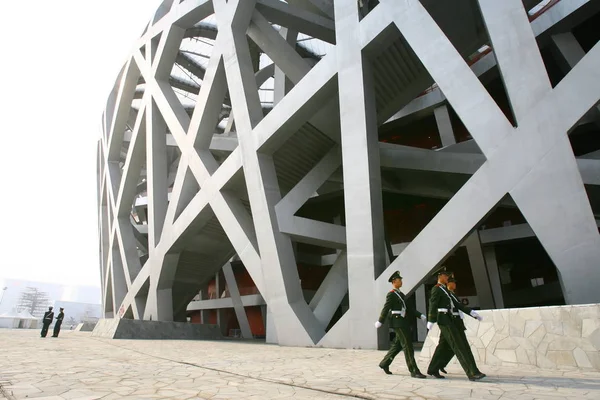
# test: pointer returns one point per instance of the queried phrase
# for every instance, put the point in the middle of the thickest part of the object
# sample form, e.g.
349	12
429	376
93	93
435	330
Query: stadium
266	165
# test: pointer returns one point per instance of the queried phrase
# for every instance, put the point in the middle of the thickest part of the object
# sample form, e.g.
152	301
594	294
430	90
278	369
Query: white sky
58	63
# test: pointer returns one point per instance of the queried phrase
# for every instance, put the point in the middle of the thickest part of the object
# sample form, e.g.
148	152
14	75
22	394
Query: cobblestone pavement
77	366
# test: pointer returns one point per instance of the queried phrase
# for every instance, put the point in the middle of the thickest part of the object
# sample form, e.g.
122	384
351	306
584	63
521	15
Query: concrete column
205	316
270	326
140	304
104	245
480	271
362	179
263	313
550	193
489	253
421	303
295	323
442	118
230	127
282	83
119	283
218	296
159	306
157	170
238	307
164	306
222	321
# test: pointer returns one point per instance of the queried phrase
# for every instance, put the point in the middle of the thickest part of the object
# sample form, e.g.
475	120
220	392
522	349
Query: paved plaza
77	366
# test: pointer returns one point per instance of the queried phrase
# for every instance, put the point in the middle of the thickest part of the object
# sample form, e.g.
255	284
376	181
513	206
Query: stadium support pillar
489	252
238	307
479	271
442	118
362	179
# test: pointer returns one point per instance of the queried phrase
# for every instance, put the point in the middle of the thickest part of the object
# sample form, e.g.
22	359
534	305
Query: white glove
423	317
430	325
377	324
477	316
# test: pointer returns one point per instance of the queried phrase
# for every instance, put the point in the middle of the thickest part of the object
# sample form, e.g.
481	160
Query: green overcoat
395	302
441	299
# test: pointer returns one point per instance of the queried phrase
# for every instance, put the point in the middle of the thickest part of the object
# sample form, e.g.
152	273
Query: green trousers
447	353
402	341
453	341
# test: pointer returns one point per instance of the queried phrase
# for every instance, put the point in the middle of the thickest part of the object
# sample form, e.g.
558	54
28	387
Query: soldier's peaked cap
395	275
452	279
444	271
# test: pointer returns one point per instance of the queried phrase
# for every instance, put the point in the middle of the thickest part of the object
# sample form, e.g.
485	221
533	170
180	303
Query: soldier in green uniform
443	352
446	352
400	316
441	309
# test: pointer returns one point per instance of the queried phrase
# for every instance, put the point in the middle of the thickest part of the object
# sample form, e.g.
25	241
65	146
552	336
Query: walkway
77	366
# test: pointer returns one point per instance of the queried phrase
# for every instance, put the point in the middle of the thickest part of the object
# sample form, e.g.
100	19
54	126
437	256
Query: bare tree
34	301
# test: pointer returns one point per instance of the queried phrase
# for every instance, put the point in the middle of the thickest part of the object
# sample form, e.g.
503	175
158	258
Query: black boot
443	370
436	374
418	375
386	369
476	377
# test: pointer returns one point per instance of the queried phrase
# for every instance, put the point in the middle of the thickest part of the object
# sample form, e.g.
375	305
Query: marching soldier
441	309
46	321
443	352
395	304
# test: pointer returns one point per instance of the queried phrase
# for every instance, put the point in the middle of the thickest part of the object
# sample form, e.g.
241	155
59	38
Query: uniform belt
456	314
443	310
398	312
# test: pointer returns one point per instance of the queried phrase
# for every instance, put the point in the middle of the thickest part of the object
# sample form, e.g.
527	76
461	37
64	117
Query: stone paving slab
77	366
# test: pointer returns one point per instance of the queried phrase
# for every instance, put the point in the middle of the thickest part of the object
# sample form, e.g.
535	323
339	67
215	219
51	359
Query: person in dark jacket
58	323
46	321
400	316
441	309
443	353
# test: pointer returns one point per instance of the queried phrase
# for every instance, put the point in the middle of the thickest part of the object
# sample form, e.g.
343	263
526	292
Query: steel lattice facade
185	187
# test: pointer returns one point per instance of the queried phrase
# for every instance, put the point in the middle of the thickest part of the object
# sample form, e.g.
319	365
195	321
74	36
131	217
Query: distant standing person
46	321
59	320
401	315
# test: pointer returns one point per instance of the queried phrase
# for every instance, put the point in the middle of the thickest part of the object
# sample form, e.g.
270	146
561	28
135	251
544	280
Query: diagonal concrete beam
297	19
571	52
541	27
539	139
331	291
479	271
283	293
238	306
